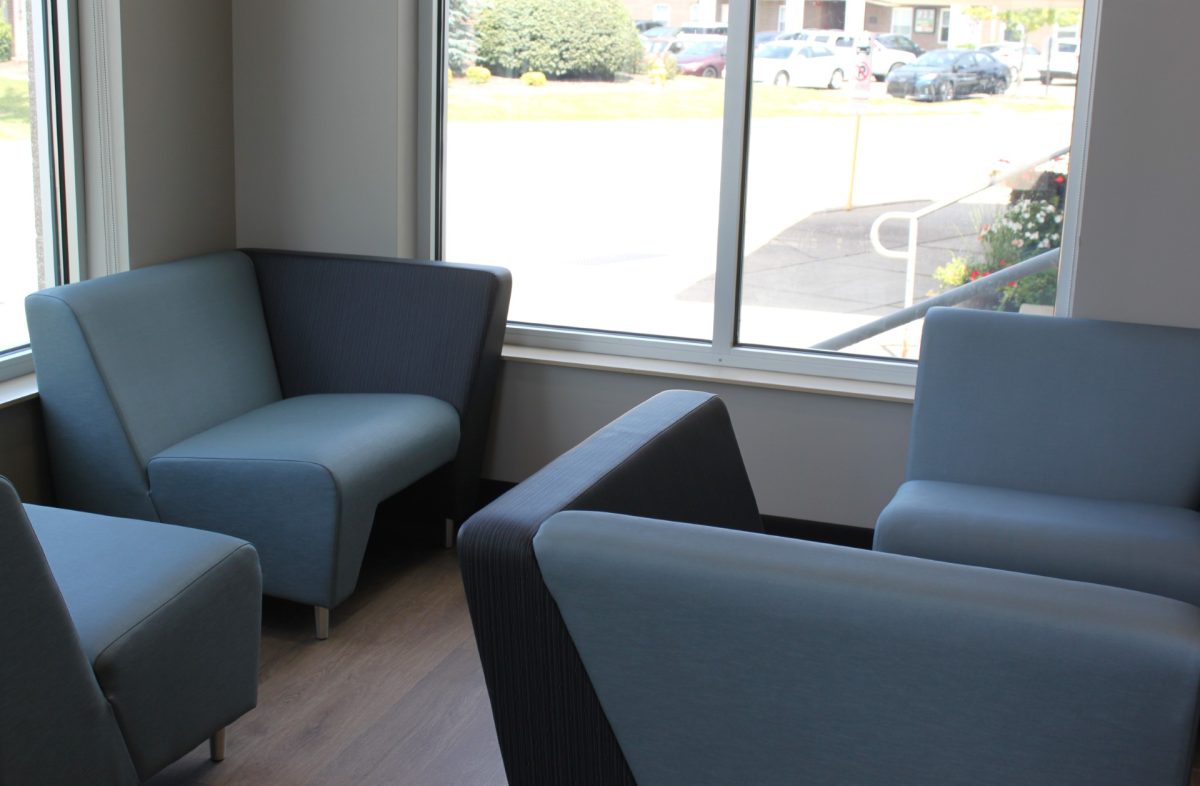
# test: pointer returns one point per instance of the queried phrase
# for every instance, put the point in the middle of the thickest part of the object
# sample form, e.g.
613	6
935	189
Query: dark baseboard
837	534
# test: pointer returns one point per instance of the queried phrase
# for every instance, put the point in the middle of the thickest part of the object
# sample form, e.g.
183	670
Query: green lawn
14	109
687	98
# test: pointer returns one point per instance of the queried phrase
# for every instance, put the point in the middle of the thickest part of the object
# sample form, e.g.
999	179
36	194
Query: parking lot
625	208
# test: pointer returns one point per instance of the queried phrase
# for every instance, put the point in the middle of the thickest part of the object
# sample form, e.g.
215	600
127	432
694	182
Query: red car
702	58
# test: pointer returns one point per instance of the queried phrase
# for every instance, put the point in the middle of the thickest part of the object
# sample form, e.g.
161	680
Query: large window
30	168
770	194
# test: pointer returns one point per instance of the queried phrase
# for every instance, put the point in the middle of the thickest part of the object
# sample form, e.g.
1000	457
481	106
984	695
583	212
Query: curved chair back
1075	407
55	724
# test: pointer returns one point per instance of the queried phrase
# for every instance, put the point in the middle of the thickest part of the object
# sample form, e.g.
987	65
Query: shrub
6	41
1027	228
560	38
661	67
477	75
533	78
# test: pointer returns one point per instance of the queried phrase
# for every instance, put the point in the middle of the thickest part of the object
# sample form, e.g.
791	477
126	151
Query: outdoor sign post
860	91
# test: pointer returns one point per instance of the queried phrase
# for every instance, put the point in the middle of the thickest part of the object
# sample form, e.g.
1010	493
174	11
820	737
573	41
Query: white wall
158	130
822	458
1139	251
323	132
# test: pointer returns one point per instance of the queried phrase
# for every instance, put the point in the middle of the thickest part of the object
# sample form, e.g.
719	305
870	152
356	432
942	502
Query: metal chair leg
216	745
322	617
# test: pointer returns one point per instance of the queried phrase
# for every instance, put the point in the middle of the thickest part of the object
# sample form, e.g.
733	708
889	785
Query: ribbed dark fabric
674	456
350	324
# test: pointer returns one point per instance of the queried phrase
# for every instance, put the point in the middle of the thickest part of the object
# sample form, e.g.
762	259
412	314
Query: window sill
703	372
17	390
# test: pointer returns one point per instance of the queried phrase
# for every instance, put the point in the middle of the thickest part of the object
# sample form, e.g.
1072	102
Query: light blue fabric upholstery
301	478
163	390
133	642
1076	407
1063	447
1150	548
726	657
132	363
168	617
56	728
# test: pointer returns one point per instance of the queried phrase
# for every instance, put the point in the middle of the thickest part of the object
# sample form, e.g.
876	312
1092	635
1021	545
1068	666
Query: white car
1024	61
888	51
1062	57
798	64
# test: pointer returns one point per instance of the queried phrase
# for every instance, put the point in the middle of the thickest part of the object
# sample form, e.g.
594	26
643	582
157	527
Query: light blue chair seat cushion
1150	548
168	617
300	478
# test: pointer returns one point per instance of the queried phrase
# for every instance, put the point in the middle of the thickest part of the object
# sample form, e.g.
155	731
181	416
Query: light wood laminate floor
394	696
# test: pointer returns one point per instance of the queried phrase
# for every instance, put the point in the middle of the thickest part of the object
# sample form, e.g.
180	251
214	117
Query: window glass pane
967	142
26	267
598	188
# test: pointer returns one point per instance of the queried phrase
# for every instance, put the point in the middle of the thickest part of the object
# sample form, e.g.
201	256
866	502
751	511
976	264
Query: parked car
660	32
703	30
945	74
1024	61
643	25
798	64
888	51
1062	57
702	58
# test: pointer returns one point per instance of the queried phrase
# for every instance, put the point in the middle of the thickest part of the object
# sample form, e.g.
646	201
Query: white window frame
906	12
944	16
723	351
61	206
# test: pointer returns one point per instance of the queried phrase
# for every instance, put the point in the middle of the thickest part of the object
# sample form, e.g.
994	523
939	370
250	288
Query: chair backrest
130	364
1089	408
55	724
730	657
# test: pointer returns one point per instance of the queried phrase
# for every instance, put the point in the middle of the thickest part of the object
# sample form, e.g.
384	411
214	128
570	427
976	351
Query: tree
561	38
460	34
1026	19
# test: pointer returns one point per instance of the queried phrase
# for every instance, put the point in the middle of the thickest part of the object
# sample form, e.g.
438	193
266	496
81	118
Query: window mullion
734	140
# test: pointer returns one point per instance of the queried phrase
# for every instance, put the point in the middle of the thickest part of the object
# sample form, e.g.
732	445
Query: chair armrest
725	657
674	456
350	324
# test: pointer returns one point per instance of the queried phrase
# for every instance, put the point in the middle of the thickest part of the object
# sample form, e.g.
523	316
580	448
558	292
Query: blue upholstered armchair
637	626
1062	447
277	397
126	644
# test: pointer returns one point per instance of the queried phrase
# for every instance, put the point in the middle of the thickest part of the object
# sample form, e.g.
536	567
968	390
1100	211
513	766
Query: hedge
561	38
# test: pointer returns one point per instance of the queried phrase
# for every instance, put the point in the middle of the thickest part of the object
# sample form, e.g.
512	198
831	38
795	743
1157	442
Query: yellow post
854	158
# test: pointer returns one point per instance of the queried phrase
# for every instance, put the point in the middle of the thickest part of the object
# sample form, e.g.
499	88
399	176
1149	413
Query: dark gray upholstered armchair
636	626
1061	447
126	644
274	396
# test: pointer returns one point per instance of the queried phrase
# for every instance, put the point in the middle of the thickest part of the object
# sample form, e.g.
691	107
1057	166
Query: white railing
913	217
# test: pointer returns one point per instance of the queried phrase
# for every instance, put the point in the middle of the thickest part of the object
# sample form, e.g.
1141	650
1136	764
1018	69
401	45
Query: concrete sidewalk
826	262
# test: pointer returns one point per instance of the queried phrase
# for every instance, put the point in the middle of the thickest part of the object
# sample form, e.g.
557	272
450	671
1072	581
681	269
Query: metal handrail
913	216
986	285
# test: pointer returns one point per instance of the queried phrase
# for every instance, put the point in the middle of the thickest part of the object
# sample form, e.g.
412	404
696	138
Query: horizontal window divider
16	363
686	371
833	368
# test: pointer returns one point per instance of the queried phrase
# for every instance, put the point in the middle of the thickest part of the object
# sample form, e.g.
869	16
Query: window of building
30	167
944	26
902	21
802	209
